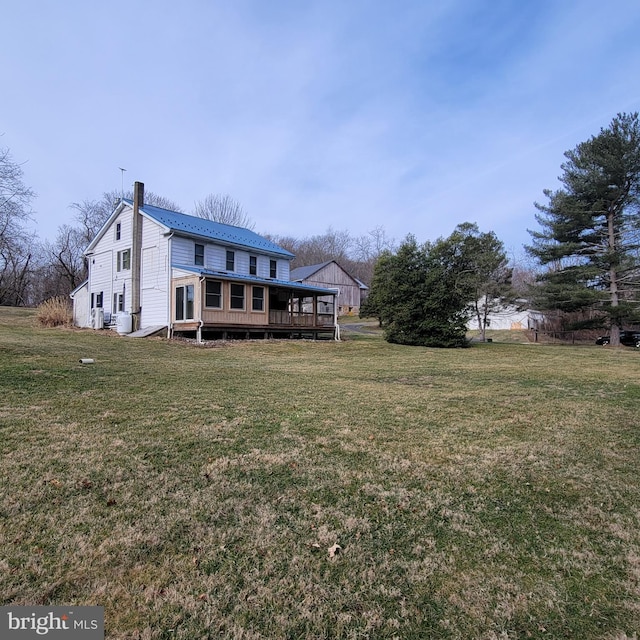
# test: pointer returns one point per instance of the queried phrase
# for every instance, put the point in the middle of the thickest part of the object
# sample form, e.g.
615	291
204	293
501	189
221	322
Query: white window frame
120	260
186	290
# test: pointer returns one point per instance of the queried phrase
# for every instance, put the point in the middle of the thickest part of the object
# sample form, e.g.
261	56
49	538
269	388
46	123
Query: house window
118	231
237	296
213	294
96	300
118	302
257	300
273	269
231	260
184	302
253	265
189	301
198	257
123	261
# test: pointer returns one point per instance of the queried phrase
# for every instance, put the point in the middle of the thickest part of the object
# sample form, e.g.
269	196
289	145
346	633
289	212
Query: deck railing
303	319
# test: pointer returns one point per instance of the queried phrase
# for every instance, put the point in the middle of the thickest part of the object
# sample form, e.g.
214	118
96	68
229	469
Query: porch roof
271	282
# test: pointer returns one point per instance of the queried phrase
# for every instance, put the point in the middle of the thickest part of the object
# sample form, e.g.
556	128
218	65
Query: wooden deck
282	324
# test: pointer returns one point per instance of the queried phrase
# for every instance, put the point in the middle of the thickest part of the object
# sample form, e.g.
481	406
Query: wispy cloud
415	116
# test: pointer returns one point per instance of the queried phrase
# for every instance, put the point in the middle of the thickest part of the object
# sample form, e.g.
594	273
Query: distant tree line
32	271
356	254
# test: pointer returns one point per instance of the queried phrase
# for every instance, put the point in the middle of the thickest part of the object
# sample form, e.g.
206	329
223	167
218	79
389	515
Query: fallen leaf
334	551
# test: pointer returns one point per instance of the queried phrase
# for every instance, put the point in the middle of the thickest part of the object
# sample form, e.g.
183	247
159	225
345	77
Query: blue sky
414	115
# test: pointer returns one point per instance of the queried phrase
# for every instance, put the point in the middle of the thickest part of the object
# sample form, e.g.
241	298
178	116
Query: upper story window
118	230
231	260
273	269
123	260
253	265
198	257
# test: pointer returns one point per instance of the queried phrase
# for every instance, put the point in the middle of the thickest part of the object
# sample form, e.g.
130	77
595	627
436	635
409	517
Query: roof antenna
122	170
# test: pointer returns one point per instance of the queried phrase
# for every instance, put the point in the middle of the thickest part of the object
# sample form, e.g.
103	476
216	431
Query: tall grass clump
55	312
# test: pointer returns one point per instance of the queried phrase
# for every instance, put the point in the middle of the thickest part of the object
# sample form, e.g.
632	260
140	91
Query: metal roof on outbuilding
302	273
209	230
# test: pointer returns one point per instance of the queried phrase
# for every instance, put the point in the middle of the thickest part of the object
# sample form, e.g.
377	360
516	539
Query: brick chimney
136	253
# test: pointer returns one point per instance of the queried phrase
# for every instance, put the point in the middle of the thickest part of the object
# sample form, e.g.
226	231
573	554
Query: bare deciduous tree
224	209
92	214
65	260
372	245
367	249
15	242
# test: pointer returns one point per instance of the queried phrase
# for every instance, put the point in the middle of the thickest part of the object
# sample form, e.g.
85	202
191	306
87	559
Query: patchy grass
489	492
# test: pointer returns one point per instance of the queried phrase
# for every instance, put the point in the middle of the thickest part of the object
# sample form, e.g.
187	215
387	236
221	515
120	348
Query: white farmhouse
154	270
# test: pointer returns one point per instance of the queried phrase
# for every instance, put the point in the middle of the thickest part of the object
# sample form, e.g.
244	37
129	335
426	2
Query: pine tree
590	229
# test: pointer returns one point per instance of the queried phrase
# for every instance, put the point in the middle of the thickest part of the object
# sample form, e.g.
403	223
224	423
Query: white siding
507	318
182	251
154	279
215	258
81	303
105	278
101	280
181	273
103	274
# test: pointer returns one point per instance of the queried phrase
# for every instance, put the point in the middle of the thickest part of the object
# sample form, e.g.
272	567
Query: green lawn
195	492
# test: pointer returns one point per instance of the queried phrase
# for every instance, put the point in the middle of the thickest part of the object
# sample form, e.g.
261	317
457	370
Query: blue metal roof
207	229
225	275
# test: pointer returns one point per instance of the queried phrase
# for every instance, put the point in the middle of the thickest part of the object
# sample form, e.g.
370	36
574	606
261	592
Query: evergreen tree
420	294
484	268
372	305
590	229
